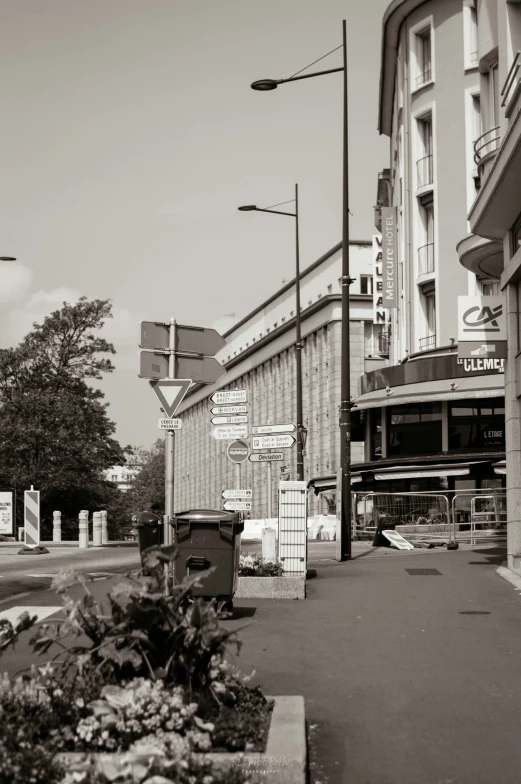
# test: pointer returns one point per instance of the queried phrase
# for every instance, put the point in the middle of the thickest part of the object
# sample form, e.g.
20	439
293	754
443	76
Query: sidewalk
400	687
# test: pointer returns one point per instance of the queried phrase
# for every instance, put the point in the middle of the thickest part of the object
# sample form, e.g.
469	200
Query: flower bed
148	671
253	566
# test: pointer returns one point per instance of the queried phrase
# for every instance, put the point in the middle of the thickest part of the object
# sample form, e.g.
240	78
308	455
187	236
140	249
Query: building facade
433	419
259	356
494	241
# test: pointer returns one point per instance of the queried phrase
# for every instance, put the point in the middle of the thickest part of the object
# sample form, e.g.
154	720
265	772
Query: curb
270	588
510	576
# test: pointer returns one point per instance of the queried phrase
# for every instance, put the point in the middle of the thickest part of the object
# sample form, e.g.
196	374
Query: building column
385	439
444	426
513	434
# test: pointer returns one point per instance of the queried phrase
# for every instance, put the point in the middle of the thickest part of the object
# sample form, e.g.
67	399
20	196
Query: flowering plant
252	565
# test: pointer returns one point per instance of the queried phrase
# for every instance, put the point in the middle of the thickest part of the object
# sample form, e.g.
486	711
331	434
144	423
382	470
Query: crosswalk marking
13	613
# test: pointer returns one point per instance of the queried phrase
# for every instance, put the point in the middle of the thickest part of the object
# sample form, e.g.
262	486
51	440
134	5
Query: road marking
13	613
15	596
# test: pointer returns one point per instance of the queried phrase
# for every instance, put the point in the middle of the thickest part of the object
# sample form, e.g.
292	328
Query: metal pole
345	383
170	441
298	349
269	488
238	475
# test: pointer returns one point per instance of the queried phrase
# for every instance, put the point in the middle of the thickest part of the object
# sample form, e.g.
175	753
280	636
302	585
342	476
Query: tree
148	486
56	434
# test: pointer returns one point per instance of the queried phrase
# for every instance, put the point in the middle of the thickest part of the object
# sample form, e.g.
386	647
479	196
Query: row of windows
416	429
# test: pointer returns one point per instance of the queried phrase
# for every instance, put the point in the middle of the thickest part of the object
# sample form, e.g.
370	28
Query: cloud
15	281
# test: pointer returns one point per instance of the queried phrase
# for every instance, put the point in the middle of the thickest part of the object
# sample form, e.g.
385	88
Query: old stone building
260	357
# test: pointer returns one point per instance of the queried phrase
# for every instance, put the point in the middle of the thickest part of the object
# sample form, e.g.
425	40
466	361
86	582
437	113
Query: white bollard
56	526
104	528
269	548
96	529
84	529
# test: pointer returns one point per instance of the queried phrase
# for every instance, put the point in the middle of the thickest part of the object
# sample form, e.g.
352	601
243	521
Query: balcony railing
424	171
511	80
426	259
424	77
487	143
428	342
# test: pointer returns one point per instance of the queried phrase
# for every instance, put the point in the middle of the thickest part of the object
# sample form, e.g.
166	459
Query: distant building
259	356
122	476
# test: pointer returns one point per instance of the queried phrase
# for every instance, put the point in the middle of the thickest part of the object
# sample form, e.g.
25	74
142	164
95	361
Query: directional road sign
190	340
170	424
152	365
257	430
273	442
229	420
266	457
230	494
226	396
230	432
171	392
229	410
238	451
237	506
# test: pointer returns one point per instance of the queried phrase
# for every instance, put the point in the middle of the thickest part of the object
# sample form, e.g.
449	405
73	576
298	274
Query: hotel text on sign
389	257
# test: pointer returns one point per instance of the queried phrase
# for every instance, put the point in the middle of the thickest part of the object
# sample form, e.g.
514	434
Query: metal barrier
417	516
479	517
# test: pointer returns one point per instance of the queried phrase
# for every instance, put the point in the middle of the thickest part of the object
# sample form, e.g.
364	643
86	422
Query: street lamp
265	85
298	342
7	258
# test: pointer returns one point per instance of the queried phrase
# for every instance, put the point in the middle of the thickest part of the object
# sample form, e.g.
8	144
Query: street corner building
434	416
259	357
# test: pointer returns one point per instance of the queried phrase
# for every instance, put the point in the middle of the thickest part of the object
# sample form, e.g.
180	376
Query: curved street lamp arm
310	76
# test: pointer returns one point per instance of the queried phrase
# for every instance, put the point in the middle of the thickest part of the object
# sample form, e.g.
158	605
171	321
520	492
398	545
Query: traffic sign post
229	495
265	457
228	396
171	392
238	451
229	410
273	442
170	424
230	432
268	429
237	506
229	420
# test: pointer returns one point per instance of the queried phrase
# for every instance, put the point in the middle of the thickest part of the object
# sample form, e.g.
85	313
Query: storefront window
376	434
415	429
477	425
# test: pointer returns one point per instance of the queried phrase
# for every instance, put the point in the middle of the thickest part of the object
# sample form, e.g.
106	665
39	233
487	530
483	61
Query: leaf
100	708
115	696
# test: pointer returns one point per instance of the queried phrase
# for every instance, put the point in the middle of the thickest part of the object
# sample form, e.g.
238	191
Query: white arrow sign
229	494
229	420
170	424
257	430
230	432
273	442
263	457
237	506
227	410
229	396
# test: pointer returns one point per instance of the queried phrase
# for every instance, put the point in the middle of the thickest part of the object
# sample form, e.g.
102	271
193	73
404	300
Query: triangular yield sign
171	392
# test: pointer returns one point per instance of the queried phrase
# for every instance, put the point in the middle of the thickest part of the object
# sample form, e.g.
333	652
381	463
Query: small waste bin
206	538
149	530
384	524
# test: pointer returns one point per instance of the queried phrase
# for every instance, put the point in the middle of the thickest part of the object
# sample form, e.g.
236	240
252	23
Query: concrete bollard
96	529
56	526
104	529
84	529
269	547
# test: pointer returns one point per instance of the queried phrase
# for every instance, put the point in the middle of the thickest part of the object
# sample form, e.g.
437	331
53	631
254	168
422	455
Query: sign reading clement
389	257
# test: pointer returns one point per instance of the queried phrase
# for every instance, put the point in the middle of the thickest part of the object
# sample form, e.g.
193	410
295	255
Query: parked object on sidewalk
149	530
209	538
269	544
384	523
56	526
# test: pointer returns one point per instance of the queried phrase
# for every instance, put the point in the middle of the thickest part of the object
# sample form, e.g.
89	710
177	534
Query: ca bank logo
477	319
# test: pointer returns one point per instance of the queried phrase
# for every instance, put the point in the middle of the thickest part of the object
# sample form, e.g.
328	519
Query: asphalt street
408	678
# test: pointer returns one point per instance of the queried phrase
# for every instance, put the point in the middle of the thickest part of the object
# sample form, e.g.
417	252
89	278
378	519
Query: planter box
284	757
271	588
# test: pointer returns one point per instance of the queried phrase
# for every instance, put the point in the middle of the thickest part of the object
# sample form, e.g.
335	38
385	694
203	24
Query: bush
254	566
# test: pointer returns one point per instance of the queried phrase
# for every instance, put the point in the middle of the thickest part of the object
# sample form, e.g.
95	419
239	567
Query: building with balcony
433	421
494	246
259	356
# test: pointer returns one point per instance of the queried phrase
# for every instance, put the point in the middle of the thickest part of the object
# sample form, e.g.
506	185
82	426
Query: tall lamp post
345	382
298	342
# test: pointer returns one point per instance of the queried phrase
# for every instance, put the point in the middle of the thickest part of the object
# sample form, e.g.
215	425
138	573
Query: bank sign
482	329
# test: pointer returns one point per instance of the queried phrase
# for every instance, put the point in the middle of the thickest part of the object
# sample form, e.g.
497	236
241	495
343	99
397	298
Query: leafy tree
148	486
56	434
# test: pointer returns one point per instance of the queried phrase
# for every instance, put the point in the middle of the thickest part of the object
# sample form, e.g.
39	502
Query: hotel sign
389	258
379	316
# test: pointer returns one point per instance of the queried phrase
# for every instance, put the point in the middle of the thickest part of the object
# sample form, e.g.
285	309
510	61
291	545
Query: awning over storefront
418	472
500	468
429	391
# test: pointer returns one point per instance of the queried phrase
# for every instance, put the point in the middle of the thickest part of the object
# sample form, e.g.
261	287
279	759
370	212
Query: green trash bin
206	538
149	530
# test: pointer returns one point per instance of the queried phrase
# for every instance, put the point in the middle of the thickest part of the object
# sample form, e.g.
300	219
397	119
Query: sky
130	136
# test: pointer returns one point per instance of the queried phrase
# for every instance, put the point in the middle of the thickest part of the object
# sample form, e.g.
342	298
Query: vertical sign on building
389	258
378	307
